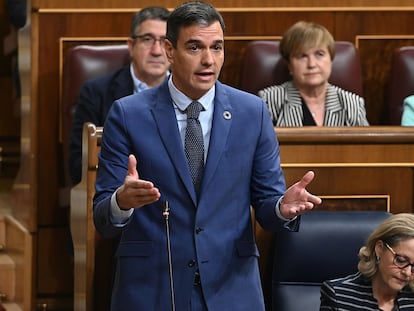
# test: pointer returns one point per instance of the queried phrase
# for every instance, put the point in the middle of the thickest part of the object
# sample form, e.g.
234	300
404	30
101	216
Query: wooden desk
353	161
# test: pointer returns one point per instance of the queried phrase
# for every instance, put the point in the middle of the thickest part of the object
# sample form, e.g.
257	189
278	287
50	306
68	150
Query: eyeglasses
399	260
148	40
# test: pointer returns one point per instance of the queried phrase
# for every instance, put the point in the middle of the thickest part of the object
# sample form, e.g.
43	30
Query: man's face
148	55
198	58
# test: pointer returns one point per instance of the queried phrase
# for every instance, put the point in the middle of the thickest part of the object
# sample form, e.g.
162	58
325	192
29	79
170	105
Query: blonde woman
385	280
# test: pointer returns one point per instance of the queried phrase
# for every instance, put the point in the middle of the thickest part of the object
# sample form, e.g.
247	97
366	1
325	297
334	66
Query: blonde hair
302	36
393	230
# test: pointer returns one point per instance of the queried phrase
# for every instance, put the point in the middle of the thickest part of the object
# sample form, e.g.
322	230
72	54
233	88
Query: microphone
166	215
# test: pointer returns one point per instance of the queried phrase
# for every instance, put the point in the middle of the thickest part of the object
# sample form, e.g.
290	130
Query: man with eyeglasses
385	280
148	68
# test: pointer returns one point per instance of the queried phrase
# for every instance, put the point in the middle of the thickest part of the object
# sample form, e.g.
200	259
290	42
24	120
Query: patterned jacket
354	293
342	108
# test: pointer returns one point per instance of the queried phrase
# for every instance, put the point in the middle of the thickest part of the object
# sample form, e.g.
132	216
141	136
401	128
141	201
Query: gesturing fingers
135	192
306	179
297	199
132	167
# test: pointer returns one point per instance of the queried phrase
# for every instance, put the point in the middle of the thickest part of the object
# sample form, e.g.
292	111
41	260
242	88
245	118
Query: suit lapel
222	119
292	114
334	113
164	116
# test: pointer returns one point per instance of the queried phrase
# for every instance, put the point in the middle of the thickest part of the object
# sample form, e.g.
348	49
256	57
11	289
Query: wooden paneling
58	25
54	258
20	248
376	52
375	44
10	103
93	253
53	4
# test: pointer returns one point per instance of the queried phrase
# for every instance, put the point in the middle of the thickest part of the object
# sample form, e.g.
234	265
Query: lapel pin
227	115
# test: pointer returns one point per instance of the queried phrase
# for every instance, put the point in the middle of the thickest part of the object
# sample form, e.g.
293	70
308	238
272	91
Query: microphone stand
166	214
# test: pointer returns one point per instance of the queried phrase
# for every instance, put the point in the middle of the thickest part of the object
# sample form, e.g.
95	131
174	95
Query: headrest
263	66
325	247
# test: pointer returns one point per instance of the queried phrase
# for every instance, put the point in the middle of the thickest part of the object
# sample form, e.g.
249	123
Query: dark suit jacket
214	232
95	99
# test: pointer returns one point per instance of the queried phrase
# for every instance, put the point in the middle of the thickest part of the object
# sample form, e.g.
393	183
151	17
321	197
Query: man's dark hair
190	13
152	12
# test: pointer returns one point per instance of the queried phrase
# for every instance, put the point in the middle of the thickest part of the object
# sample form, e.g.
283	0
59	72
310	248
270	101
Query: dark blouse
307	115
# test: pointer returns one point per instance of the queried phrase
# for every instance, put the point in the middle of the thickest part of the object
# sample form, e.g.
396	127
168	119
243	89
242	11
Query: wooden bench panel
93	254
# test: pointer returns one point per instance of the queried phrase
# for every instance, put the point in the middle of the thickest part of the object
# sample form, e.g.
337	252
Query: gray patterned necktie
194	144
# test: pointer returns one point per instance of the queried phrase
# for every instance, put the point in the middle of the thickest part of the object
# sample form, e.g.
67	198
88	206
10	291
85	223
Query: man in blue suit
149	67
143	165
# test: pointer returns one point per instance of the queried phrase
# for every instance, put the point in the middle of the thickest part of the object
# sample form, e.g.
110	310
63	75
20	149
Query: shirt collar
182	101
138	84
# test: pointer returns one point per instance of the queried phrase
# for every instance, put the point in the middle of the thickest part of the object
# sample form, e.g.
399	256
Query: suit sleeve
268	182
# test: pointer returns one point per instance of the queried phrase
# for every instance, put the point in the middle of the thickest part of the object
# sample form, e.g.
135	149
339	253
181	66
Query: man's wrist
117	202
119	215
278	212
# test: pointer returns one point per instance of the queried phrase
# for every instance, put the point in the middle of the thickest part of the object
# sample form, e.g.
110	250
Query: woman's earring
377	259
